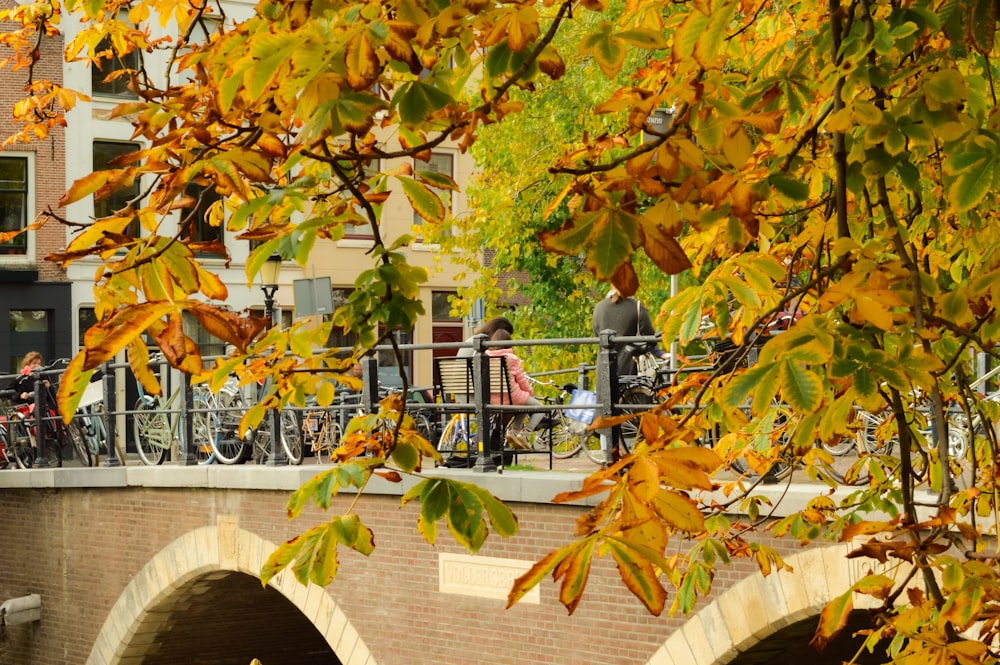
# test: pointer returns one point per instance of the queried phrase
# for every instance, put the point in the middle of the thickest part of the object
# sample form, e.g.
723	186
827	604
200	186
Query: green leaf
761	379
614	236
644	38
417	100
321	488
792	188
608	50
801	387
406	456
972	185
502	519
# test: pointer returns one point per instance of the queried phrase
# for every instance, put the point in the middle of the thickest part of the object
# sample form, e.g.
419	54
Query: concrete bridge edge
758	606
200	553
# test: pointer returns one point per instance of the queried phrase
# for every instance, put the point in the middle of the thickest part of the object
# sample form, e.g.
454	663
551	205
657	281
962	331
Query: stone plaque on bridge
482	576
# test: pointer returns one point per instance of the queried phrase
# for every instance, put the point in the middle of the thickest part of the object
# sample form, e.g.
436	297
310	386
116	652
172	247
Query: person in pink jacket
521	392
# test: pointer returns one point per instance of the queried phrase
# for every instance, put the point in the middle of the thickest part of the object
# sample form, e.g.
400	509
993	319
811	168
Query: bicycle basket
583	415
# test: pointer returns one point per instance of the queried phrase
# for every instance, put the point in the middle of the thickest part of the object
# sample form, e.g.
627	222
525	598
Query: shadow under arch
200	599
782	606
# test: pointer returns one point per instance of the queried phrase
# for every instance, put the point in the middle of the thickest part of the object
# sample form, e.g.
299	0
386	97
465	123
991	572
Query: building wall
29	281
341	261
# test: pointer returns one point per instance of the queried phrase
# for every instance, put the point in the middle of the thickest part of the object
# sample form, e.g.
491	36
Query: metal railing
605	382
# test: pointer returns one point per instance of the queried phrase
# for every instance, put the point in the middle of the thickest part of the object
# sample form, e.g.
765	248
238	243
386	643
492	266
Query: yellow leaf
870	310
361	62
678	511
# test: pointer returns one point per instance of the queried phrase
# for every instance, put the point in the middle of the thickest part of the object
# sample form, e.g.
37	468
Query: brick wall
79	548
50	153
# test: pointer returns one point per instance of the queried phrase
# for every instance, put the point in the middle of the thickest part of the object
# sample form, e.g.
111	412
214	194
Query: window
442	163
388	370
445	326
14	203
104	153
109	76
85	318
208	344
339	337
195	224
361	230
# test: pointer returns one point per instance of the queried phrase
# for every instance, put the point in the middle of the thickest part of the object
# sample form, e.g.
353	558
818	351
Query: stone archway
209	553
757	607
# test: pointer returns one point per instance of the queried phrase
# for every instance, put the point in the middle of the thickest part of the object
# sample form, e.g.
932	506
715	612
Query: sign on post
658	121
313	297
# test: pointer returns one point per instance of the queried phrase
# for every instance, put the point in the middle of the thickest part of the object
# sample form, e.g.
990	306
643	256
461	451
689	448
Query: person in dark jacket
628	317
24	384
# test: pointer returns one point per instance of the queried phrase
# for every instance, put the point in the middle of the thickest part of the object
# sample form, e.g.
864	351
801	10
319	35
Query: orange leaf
832	620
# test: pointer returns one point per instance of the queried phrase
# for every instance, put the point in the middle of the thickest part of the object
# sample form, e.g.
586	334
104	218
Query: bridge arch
178	594
757	607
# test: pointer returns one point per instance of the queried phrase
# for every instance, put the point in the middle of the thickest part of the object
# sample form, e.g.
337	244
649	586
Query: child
521	393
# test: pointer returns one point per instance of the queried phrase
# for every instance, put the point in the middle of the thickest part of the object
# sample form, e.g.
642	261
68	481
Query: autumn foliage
838	161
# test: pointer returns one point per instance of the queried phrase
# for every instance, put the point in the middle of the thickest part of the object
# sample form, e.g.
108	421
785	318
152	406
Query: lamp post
269	285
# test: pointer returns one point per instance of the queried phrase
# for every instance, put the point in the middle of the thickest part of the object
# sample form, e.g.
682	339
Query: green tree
839	159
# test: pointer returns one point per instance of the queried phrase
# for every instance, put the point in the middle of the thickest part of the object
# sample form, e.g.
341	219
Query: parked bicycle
17	440
560	432
47	431
90	419
157	423
231	445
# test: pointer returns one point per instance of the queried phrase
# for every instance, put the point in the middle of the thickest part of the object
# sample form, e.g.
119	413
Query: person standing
628	317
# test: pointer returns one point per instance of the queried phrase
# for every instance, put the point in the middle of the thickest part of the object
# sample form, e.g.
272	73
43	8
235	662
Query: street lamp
269	285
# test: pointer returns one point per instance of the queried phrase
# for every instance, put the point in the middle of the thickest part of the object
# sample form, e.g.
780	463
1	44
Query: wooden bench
455	384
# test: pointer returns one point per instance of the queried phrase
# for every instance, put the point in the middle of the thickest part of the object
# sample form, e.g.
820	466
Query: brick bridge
159	565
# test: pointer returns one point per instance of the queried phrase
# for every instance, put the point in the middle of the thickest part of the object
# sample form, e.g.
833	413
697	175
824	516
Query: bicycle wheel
227	444
564	442
840	448
454	443
423	425
291	439
52	444
204	424
591	447
21	441
94	432
6	454
152	432
763	435
634	399
81	448
328	438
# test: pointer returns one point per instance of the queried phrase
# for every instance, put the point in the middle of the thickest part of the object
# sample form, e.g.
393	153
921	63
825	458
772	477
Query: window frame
10	253
420	165
120	195
99	89
200	212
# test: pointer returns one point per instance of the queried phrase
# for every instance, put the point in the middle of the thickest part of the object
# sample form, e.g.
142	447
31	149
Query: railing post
369	392
187	455
41	460
109	418
607	391
582	379
481	385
